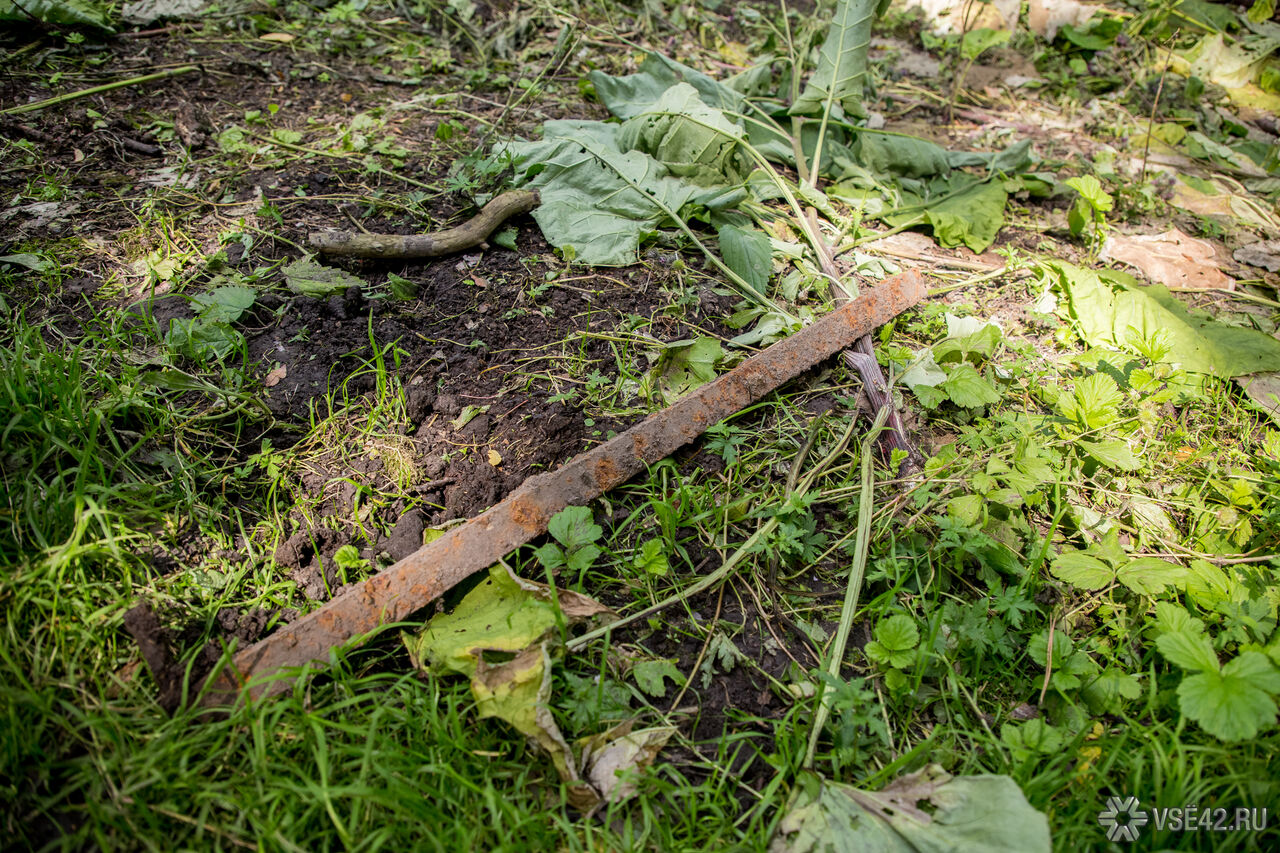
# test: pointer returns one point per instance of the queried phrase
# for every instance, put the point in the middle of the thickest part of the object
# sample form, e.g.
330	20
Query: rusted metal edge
428	573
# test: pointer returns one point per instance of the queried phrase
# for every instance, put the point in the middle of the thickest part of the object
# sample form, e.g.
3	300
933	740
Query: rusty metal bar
425	575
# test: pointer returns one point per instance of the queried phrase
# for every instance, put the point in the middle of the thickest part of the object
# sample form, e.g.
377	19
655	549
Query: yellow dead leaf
495	458
282	38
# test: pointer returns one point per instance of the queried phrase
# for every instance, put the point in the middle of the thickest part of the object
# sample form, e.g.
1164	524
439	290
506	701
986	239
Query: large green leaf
591	191
629	96
925	811
842	65
1111	309
692	140
971	217
76	13
1233	704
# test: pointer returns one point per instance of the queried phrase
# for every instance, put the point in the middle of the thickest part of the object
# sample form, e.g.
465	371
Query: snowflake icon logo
1122	819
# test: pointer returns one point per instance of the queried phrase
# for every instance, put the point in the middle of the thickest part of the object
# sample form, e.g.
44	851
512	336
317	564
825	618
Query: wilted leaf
972	217
274	376
596	198
685	366
1173	259
692	140
611	760
925	811
308	278
1107	312
842	64
76	13
503	613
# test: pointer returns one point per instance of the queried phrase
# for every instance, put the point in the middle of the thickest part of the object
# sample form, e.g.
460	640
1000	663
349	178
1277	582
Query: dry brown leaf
1173	259
282	38
273	378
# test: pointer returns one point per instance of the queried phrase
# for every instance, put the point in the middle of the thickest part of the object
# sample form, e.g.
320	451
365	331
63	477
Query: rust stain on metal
423	576
606	471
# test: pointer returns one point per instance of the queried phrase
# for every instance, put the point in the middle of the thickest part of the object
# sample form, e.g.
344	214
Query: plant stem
861	545
107	87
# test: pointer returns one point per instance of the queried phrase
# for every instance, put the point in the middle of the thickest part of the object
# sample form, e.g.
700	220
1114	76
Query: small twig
141	147
1155	107
701	654
95	90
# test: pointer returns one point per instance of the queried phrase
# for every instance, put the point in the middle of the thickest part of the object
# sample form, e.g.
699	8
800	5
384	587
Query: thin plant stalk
861	545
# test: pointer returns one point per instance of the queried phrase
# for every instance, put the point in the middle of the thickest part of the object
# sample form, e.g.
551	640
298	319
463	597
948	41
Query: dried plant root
398	246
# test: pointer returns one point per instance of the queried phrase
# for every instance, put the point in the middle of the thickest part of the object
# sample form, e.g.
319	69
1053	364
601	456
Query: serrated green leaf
573	527
1151	575
651	558
1226	706
1188	651
1113	453
224	304
967	509
898	632
1094	402
1082	570
1257	669
650	676
1210	585
966	387
1034	737
1107	693
1038	647
749	253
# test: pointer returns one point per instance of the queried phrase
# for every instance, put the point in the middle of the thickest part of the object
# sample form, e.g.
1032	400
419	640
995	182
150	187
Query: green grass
115	450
